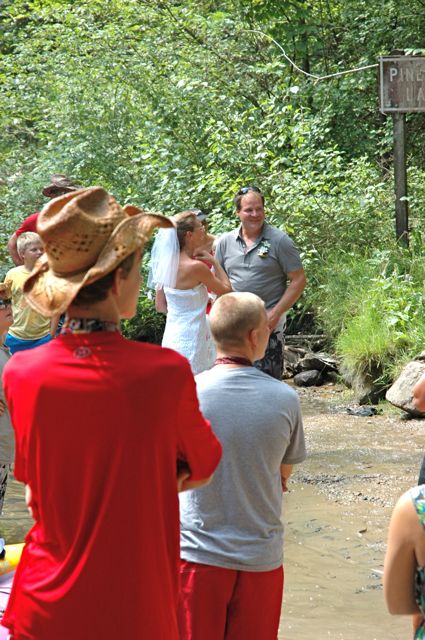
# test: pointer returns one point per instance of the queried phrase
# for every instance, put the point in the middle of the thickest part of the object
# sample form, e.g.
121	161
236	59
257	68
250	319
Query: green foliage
367	346
177	104
173	103
374	308
147	325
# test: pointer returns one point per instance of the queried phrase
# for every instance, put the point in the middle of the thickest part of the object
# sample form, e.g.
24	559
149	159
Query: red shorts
225	604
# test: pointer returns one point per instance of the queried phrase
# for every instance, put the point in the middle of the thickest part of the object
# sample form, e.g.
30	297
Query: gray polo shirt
262	268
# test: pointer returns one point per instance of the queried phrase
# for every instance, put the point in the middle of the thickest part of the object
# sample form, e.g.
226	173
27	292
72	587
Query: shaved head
233	316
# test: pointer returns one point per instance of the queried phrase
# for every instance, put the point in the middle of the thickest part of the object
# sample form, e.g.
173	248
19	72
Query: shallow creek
336	517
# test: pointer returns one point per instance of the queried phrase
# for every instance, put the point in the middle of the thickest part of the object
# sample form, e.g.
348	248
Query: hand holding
273	319
284	482
183	473
204	256
181	478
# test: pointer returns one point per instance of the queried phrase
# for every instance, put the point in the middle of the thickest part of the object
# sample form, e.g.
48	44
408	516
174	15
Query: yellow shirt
27	323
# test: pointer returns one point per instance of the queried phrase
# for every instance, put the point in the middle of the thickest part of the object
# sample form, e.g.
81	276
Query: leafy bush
373	306
147	325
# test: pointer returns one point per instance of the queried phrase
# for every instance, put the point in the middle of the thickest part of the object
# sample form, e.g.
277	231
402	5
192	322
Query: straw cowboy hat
59	184
86	235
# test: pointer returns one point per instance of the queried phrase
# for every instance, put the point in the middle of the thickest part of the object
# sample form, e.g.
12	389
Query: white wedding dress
187	329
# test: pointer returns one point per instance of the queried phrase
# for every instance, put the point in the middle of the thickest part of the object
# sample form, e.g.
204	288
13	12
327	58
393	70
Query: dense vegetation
178	103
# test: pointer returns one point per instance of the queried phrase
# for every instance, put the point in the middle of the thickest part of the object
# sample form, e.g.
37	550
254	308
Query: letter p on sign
393	73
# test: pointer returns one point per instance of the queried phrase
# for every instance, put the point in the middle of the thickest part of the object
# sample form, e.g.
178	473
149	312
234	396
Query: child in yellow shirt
29	329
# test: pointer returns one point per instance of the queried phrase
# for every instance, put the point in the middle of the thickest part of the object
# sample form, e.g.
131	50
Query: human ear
253	337
117	283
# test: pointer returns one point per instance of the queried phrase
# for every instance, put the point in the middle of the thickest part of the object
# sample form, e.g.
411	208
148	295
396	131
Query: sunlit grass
373	306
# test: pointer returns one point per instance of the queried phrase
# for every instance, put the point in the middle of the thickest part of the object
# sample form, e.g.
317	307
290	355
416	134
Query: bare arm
160	301
400	559
13	250
184	483
417	619
297	282
54	321
29	500
217	282
285	472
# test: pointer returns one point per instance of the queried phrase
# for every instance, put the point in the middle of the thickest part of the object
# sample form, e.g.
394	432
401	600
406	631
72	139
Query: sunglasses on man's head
244	190
5	302
198	213
202	217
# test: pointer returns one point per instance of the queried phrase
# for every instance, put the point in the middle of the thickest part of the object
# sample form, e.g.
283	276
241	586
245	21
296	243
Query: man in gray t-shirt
231	530
262	259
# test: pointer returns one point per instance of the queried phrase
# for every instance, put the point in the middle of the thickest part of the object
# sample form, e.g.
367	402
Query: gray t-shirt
235	521
262	268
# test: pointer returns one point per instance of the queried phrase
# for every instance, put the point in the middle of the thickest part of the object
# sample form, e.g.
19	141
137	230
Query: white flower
263	248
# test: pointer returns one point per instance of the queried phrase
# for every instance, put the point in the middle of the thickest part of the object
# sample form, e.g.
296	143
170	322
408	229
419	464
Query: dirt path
337	517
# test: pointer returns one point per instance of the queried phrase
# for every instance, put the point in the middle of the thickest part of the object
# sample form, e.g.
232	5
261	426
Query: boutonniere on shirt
263	248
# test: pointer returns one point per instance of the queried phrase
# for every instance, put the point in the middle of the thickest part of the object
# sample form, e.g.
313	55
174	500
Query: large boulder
291	357
308	379
317	361
400	393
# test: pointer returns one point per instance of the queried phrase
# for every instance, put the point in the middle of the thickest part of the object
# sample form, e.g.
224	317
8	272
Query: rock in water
319	361
291	357
362	411
311	378
400	393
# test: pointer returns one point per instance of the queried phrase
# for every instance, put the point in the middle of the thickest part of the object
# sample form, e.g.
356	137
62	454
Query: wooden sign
402	84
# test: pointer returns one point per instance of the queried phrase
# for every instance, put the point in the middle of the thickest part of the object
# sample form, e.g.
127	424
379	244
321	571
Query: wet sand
337	515
15	519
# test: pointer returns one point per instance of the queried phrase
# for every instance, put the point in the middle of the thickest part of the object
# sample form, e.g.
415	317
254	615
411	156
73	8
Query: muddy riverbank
337	516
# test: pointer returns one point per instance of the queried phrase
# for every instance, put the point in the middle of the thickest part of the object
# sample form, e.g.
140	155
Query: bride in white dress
181	282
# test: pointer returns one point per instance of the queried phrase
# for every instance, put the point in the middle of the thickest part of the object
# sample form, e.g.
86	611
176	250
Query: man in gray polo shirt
231	574
261	259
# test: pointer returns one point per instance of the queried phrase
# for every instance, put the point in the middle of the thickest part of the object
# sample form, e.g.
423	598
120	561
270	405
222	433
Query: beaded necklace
233	360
